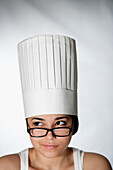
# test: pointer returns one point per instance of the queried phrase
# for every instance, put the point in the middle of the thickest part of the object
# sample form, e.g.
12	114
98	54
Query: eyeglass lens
43	132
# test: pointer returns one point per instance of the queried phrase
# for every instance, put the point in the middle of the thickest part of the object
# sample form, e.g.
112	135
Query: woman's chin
50	151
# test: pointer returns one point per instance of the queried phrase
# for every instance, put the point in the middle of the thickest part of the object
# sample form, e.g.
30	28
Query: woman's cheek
35	142
65	140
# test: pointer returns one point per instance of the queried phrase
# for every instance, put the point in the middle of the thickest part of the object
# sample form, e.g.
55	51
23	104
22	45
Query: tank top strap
24	159
78	158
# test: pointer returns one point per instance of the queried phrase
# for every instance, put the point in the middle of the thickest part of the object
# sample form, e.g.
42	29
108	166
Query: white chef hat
48	72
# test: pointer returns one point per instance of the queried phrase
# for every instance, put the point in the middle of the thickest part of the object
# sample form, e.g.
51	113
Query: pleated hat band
48	73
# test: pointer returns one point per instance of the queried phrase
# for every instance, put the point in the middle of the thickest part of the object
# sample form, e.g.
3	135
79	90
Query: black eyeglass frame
52	130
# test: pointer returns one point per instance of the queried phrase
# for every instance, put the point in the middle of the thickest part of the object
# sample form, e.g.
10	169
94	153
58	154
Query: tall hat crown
48	72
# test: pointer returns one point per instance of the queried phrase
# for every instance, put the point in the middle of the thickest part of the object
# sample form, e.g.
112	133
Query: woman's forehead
50	116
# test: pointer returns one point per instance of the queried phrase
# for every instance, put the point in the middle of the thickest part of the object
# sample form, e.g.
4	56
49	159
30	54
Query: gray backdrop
91	24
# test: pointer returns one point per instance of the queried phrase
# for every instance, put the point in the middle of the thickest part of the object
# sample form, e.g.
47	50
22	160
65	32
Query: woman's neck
39	161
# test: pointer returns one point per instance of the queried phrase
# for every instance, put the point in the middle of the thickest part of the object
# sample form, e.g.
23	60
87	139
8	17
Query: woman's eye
61	123
37	123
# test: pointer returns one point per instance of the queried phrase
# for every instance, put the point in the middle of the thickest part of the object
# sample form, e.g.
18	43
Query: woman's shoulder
92	161
96	161
10	162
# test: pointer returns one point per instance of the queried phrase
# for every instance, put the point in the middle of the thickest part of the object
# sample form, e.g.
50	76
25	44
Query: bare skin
91	161
58	158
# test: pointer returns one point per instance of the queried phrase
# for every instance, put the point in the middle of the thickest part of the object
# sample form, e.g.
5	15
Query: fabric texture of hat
48	72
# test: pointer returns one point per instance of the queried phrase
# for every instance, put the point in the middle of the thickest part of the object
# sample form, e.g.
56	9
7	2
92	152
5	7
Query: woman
48	71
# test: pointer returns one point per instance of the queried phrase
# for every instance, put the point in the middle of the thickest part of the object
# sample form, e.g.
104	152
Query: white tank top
78	159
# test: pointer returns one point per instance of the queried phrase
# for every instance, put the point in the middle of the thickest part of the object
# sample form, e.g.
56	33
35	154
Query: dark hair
75	124
26	122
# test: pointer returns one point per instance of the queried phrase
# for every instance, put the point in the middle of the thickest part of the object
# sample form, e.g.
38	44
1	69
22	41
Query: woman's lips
49	146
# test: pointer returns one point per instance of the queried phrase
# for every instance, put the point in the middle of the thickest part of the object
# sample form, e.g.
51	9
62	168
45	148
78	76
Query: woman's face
50	146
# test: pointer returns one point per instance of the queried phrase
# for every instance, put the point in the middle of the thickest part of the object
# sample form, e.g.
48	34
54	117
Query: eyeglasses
41	132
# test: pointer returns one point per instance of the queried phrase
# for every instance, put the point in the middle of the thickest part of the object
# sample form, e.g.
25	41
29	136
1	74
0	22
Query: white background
91	24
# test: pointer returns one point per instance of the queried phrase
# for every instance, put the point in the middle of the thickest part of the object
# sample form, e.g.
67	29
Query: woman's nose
50	135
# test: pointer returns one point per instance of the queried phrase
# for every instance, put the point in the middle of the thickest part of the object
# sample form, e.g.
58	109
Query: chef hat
48	73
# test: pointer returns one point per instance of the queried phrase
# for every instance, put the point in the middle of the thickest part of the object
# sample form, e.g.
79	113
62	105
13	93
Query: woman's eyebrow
38	119
61	118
